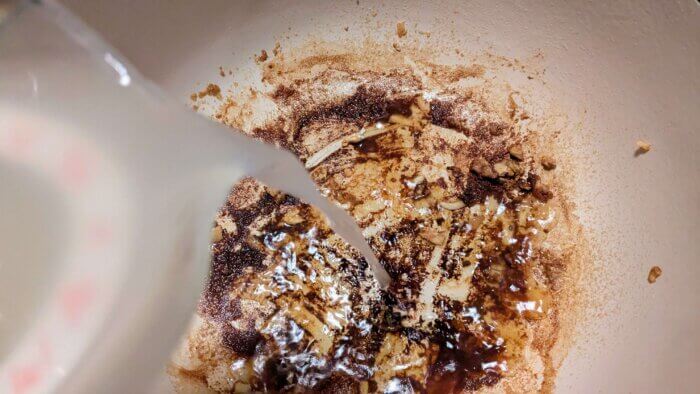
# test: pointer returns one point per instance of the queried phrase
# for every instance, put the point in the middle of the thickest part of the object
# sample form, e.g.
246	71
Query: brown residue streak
332	61
452	74
367	105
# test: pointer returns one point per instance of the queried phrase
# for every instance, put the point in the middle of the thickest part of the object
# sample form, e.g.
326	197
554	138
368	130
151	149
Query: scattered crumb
548	163
211	90
193	96
654	274
396	47
425	33
346	28
643	146
221	71
262	57
401	29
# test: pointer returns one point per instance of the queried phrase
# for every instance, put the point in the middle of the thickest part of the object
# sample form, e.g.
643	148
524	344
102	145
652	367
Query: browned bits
210	90
542	192
262	57
548	162
396	47
453	205
654	274
401	29
516	152
483	168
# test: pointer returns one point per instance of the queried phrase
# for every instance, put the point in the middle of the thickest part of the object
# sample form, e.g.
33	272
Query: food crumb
548	163
516	152
262	57
401	29
346	28
211	90
221	71
396	47
654	274
193	96
643	146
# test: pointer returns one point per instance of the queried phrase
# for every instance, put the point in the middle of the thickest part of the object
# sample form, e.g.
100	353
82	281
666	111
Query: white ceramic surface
622	70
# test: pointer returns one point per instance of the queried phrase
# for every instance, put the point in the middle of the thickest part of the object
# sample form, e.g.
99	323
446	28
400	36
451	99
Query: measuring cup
108	192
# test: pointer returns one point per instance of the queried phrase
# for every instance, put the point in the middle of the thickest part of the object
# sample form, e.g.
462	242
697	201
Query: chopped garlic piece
643	146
